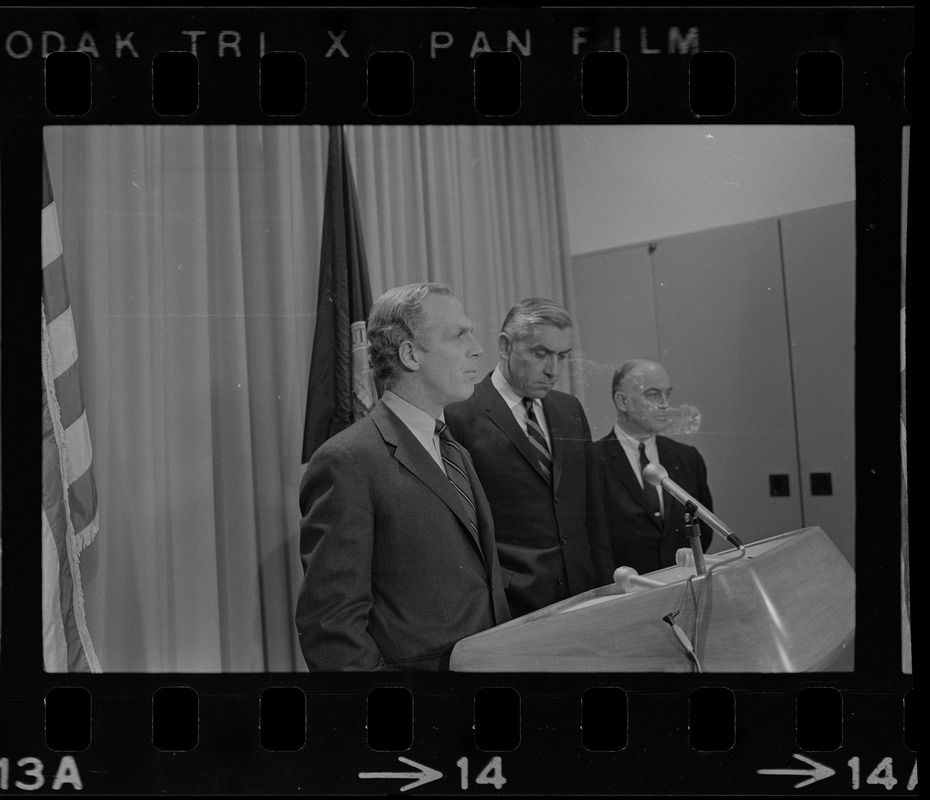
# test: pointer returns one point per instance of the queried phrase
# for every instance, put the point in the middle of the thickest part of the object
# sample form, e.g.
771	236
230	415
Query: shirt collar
421	424
631	443
506	390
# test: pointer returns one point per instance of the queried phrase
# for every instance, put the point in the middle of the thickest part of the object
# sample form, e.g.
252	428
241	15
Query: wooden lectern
788	605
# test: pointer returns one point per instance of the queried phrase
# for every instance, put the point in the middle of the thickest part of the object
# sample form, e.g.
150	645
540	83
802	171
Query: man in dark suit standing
529	443
396	535
646	526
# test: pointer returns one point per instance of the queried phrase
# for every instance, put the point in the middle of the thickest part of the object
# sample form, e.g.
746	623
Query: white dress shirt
515	404
631	448
421	424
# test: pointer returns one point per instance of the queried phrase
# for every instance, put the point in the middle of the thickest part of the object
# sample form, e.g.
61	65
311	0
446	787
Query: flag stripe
51	235
55	289
82	500
62	344
77	449
61	638
64	647
67	390
47	195
54	638
69	502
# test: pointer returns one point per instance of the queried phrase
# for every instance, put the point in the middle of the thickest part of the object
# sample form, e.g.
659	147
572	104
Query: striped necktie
455	470
652	494
538	439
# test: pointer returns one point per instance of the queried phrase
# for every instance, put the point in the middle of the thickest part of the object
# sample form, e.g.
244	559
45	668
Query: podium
788	605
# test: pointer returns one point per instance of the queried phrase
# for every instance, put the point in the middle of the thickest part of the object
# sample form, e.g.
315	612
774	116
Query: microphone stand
694	538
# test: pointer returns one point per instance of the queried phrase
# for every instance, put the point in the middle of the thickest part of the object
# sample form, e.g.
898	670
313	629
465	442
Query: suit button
563	541
559	582
555	499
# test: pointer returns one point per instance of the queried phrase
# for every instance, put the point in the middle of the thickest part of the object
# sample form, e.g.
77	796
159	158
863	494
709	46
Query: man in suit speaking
529	443
646	526
396	535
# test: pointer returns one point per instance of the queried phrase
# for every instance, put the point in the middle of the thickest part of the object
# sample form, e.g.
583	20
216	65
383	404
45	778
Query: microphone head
655	474
623	577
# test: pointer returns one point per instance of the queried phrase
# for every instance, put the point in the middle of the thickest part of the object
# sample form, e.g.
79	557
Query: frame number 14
492	774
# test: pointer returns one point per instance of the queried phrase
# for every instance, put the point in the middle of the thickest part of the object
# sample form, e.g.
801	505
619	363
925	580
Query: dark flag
341	389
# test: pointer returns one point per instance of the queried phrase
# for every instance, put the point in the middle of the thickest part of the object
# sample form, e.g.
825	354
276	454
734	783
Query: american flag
69	496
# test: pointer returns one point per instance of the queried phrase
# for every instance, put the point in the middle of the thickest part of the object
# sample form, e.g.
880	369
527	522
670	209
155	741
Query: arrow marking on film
818	773
422	776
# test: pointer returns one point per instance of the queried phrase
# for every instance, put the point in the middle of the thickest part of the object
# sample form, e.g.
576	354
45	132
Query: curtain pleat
193	258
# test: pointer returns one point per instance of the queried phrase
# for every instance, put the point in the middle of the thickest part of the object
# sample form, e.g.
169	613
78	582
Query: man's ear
504	345
620	400
408	356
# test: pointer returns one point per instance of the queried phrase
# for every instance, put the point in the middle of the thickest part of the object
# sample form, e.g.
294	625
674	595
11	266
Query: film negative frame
877	754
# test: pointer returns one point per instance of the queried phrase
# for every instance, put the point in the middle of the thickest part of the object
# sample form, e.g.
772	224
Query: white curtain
193	256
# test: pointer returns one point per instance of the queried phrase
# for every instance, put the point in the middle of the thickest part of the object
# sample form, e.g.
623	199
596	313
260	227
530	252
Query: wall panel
723	339
820	280
616	310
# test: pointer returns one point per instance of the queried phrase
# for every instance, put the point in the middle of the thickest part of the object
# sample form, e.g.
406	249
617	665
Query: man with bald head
646	526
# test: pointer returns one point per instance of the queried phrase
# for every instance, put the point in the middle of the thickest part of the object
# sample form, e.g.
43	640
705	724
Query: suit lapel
621	467
500	414
668	457
409	452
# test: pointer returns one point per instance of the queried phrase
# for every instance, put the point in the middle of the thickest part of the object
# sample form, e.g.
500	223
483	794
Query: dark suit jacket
549	544
637	539
393	574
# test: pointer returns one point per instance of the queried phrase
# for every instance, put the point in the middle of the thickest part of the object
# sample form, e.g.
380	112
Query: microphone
625	577
657	475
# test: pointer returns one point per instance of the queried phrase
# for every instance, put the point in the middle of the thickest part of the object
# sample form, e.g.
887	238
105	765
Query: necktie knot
442	430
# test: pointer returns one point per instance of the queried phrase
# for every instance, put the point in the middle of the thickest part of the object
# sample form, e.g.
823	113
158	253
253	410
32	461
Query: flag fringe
85	537
73	542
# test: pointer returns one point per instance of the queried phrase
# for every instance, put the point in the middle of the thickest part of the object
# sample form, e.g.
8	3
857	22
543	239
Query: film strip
844	725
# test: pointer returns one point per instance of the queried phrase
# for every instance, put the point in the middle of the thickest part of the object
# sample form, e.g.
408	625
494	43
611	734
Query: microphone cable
697	595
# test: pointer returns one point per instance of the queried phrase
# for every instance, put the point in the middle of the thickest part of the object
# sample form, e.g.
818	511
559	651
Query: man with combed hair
646	526
396	535
528	442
